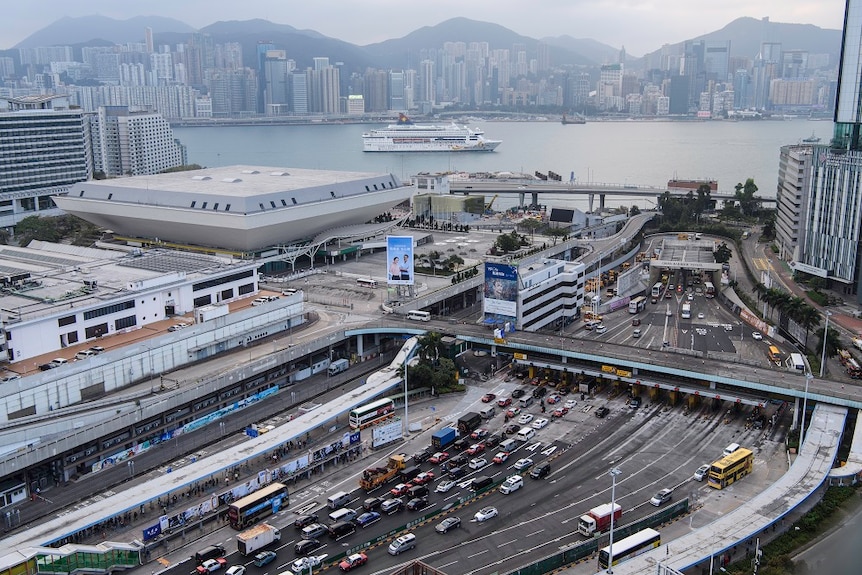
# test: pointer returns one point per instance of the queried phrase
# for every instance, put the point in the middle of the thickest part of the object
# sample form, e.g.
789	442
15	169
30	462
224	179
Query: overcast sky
640	25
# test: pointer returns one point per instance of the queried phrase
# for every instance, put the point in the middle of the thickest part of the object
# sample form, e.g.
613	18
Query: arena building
242	209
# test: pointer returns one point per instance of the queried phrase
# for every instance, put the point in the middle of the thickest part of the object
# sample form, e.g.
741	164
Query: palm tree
808	318
430	347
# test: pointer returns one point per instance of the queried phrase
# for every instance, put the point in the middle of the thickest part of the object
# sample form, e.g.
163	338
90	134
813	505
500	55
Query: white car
236	570
445	486
701	473
523	464
570	404
525	418
478	463
700	315
757	335
540	423
486	514
306	564
601	328
690	297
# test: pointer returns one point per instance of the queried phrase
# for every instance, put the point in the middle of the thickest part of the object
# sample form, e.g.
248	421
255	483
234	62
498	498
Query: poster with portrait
501	290
399	260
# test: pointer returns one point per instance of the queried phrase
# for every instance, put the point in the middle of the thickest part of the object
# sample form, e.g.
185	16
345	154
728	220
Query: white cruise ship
405	136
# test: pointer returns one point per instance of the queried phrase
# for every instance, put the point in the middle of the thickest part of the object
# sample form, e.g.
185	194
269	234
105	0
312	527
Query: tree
833	341
531	225
748	203
722	254
634	210
430	347
556	233
508	242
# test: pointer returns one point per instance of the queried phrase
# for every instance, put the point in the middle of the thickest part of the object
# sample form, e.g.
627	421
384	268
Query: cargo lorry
443	437
256	538
469	422
598	519
338	366
377	476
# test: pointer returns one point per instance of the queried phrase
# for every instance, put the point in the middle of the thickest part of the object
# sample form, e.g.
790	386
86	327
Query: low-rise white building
55	296
550	292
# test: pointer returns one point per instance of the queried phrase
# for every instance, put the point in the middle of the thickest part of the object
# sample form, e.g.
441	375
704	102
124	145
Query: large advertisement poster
399	260
501	289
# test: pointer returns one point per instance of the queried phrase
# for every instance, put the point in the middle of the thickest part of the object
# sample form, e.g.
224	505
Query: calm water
643	153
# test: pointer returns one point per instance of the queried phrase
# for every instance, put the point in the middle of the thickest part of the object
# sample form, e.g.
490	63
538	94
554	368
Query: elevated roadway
535	188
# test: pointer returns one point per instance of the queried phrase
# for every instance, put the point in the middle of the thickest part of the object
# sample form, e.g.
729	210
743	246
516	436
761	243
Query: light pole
808	378
131	466
613	473
825	338
406	420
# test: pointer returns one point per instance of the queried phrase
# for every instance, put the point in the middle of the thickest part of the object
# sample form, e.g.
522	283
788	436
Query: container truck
598	519
338	366
377	476
443	437
468	422
256	538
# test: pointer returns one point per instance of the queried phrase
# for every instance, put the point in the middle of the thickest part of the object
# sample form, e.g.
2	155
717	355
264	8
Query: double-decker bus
633	545
656	289
371	413
708	289
366	282
262	503
731	468
637	304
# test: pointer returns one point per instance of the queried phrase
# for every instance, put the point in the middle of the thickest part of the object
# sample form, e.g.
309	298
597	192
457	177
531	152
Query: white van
730	449
508	446
403	543
342	515
525	402
525	434
511	484
87	353
487	413
338	500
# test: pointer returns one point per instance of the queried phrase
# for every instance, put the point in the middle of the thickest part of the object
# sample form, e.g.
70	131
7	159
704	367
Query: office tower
793	164
765	69
397	99
831	206
299	93
716	60
262	49
28	179
276	69
135	144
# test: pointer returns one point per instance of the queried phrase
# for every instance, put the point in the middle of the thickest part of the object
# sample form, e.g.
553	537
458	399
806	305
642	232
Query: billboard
501	289
399	260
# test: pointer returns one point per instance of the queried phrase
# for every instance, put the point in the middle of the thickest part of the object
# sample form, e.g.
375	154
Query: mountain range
744	34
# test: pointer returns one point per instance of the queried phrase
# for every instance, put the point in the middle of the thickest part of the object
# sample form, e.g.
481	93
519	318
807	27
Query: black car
512	429
305	520
306	546
541	470
456	472
372	503
417	503
519	393
458	460
422	456
461	444
492	441
540	392
602	411
635	402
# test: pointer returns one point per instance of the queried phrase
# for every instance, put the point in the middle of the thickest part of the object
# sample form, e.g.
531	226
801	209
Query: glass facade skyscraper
848	108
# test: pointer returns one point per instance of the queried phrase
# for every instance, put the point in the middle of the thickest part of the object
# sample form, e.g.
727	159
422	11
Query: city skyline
635	24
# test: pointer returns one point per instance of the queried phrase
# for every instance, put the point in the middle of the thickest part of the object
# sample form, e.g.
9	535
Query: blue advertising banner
501	289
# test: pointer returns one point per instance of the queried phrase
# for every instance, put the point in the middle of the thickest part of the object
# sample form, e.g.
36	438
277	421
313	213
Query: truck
686	311
443	437
256	538
377	476
338	366
598	519
468	422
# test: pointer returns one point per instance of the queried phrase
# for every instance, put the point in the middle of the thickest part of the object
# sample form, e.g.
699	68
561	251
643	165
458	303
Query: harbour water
624	152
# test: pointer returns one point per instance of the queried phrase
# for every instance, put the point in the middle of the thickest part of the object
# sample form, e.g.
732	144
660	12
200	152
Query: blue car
367	519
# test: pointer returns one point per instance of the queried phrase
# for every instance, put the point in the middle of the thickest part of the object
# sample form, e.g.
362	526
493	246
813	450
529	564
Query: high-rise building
830	209
135	144
28	179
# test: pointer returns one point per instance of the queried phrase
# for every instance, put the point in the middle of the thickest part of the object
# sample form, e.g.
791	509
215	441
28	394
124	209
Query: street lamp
131	466
808	378
406	420
613	473
823	354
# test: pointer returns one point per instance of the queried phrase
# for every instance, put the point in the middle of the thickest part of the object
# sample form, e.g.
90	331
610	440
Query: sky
640	25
